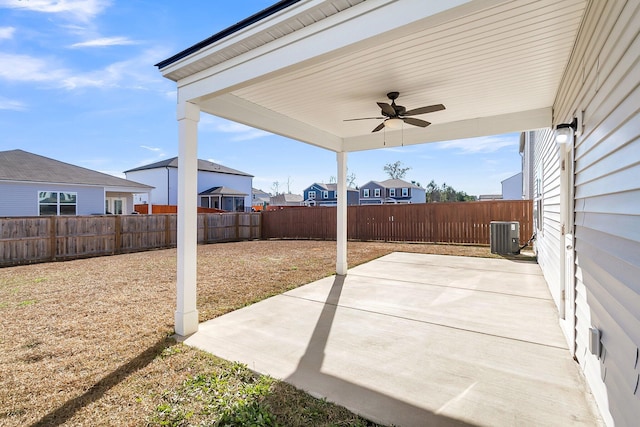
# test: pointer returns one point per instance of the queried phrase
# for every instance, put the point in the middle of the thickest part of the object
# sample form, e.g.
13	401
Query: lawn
88	342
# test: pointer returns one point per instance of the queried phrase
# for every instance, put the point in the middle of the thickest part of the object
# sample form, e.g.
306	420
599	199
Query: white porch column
186	316
341	229
150	205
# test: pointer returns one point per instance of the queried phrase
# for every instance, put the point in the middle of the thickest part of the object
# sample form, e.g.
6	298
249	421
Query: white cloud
133	73
10	104
6	32
489	144
105	41
82	10
154	149
26	68
220	162
241	132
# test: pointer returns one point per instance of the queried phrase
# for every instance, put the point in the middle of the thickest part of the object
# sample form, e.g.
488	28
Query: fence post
167	230
205	227
53	231
118	234
237	226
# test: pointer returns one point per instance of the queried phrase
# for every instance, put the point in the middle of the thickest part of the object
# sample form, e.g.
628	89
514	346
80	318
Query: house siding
160	179
548	244
512	187
528	156
371	199
603	81
20	199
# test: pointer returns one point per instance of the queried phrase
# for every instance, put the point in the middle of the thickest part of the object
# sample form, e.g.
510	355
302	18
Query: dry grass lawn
88	342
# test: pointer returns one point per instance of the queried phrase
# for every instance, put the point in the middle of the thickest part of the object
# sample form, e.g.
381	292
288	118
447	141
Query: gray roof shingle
19	165
203	165
222	191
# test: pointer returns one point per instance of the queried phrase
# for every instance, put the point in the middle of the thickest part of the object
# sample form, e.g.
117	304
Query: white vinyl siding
603	80
164	181
547	189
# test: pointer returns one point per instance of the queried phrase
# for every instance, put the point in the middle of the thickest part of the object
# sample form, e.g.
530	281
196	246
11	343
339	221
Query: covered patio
415	340
303	68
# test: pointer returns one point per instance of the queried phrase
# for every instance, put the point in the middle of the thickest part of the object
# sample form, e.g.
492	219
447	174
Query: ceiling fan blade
416	122
424	110
387	109
380	126
364	118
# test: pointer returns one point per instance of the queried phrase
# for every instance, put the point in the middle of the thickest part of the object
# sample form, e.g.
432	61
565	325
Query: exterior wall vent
505	237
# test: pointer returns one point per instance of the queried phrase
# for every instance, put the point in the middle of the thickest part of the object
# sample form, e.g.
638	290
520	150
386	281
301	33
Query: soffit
499	61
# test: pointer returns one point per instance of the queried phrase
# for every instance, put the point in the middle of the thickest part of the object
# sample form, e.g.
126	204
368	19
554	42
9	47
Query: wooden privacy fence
39	239
461	222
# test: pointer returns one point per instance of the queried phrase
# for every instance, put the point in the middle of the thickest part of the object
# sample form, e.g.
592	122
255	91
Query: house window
538	199
312	195
57	203
204	202
405	192
365	192
392	192
325	194
376	192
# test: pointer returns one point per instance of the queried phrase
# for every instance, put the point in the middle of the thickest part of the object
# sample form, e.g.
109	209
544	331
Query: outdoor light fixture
566	131
393	123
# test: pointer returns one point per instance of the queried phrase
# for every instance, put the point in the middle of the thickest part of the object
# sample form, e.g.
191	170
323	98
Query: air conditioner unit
505	237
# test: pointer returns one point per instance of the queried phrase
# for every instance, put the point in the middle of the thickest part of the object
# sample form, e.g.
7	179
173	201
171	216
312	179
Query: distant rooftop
19	165
203	165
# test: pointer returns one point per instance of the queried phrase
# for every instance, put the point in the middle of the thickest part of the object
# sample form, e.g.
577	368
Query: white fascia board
471	128
359	27
128	189
239	110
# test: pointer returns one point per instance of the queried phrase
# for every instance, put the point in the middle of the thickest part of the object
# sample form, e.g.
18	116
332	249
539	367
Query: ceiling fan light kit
395	115
393	123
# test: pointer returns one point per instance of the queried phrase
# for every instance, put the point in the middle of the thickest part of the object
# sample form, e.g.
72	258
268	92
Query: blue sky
78	84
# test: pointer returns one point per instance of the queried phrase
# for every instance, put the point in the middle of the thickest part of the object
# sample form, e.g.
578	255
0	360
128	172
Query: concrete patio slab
417	340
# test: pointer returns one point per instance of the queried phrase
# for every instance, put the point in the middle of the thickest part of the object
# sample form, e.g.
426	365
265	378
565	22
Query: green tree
396	170
445	193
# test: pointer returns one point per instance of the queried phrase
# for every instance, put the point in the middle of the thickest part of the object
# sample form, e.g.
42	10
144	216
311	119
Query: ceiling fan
394	115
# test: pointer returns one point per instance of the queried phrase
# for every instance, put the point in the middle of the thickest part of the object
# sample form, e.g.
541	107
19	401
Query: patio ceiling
300	72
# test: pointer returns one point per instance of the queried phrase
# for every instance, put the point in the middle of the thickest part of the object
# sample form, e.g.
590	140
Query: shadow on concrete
65	412
308	376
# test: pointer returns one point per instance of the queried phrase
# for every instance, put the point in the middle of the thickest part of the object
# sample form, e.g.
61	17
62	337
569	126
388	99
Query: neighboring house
586	195
319	194
391	191
512	187
33	185
219	187
286	200
259	199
